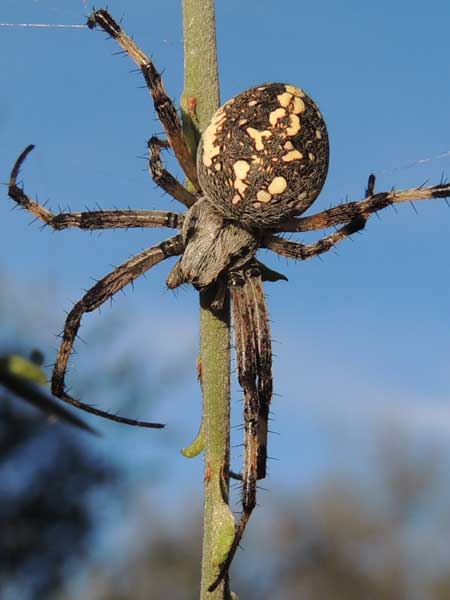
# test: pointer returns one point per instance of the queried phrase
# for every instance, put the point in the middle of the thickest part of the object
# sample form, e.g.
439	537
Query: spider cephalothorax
262	160
213	245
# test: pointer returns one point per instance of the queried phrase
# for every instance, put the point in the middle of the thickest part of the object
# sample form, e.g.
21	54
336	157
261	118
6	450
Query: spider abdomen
264	156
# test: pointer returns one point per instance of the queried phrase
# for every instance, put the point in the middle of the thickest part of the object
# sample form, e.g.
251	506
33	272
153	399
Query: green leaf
196	446
25	379
15	365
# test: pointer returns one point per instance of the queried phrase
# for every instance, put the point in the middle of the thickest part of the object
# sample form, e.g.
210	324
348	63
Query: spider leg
247	375
163	178
96	219
95	297
254	359
362	209
164	106
304	251
255	299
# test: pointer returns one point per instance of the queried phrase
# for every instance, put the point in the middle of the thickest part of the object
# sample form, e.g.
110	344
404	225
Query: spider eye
264	156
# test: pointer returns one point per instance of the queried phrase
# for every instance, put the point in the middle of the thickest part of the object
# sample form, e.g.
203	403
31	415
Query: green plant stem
200	100
218	521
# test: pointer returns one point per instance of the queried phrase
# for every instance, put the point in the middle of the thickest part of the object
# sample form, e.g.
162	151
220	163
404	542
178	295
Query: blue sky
361	336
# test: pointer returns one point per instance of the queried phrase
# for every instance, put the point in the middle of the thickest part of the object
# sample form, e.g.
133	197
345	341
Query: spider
261	163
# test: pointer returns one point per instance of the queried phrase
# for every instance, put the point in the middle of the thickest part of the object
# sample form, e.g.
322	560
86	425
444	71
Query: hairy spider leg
162	177
304	251
104	289
247	375
96	219
351	211
254	362
254	359
164	106
255	298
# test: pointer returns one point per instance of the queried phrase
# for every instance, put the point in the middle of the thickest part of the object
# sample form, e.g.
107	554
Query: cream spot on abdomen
263	196
299	106
241	168
240	186
295	91
284	99
292	155
258	136
276	115
278	185
294	127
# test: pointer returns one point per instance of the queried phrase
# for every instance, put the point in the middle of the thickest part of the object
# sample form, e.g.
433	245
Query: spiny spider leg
363	208
304	251
164	106
162	177
254	360
117	219
260	329
94	298
246	361
96	219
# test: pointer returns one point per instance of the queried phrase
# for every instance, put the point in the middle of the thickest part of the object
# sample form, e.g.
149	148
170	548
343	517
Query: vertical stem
218	522
201	79
200	100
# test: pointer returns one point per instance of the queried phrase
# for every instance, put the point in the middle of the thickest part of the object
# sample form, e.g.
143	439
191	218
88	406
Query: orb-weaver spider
260	163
